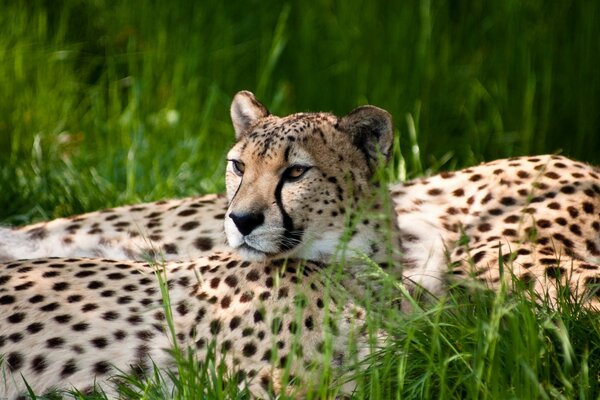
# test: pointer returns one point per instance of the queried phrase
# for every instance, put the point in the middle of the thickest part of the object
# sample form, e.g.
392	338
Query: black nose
247	222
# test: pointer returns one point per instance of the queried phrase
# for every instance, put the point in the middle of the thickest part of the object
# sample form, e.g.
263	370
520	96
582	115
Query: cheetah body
67	323
171	229
538	217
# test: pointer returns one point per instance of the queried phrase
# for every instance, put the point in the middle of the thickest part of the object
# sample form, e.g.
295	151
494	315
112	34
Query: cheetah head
295	182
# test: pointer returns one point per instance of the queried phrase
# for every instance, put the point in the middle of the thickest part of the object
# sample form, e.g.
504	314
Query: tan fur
69	323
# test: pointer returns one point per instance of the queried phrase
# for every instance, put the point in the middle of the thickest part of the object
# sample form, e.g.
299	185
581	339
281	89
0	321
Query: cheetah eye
238	167
295	172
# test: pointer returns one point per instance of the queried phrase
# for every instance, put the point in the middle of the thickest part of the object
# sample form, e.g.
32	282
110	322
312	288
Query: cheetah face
294	182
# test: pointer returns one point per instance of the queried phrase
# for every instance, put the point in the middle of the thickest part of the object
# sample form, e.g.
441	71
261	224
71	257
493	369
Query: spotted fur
538	217
67	323
170	229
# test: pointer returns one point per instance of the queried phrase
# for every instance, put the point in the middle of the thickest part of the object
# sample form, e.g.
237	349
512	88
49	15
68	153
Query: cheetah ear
371	131
245	111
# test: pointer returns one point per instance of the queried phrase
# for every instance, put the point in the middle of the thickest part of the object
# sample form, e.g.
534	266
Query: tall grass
105	102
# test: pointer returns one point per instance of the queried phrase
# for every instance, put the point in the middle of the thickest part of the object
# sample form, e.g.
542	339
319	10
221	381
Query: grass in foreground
474	345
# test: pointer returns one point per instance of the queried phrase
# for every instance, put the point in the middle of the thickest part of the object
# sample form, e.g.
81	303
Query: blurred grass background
105	102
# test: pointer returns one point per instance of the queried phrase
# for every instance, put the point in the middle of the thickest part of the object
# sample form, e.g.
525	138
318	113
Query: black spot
89	307
555	272
60	286
15	337
124	300
253	275
50	307
283	292
144	335
16	317
215	326
485	227
35	327
568	189
264	296
39	364
99	342
63	318
170	248
231	281
203	243
246	297
478	256
85	273
247	332
258	316
95	285
267	355
38	233
115	276
101	367
249	349
234	323
188	226
14	361
200	315
592	248
508	201
120	334
80	327
134	319
24	286
544	223
486	199
588	208
225	302
74	298
55	342
182	308
185	213
7	299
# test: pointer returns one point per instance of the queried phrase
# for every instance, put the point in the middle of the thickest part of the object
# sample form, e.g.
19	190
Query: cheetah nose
247	222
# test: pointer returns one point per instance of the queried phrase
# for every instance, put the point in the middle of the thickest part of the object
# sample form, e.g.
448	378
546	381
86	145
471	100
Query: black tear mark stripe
236	191
293	236
286	154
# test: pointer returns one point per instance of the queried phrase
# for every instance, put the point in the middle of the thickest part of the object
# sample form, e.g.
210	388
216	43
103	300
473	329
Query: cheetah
532	219
71	323
299	185
172	229
55	311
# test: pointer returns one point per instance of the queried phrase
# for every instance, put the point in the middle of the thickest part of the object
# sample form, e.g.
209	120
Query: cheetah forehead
292	139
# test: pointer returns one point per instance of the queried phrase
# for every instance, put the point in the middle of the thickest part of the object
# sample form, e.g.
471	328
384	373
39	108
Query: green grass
105	103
